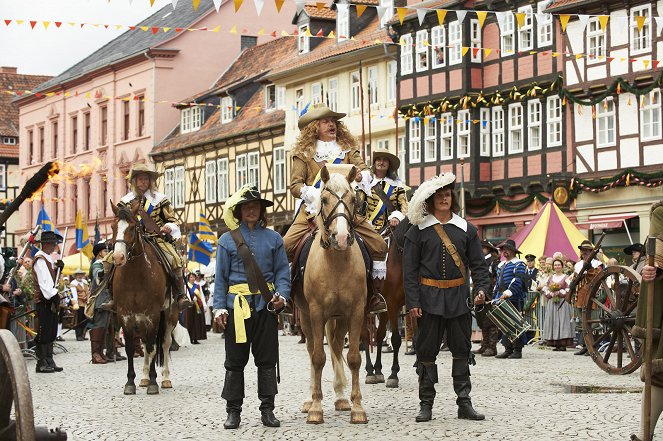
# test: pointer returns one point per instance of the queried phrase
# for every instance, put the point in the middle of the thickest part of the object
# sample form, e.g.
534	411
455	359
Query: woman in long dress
557	327
194	317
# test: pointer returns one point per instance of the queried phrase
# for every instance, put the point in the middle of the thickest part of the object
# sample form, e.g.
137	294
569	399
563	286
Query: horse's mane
399	232
125	214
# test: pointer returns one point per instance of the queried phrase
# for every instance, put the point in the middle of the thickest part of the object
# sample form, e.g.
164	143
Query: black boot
508	349
181	297
460	371
582	351
517	350
49	358
42	363
233	393
427	372
267	390
376	303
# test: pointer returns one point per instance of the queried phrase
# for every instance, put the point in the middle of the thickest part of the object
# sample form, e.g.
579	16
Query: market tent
550	231
75	261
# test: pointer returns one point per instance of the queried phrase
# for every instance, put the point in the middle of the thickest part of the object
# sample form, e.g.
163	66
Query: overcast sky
51	51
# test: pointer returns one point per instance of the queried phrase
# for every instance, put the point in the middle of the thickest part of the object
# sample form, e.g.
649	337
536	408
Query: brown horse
333	295
142	300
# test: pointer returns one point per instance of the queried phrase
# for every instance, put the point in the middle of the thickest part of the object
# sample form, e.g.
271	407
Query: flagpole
462	187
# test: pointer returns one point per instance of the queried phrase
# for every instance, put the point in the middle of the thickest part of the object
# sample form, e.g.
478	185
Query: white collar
153	196
388	180
456	220
328	150
47	256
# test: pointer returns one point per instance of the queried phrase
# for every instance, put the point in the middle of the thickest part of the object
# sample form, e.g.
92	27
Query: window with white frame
464	131
401	156
498	131
596	41
169	183
455	43
210	182
605	123
185	120
280	97
650	115
222	181
270	97
430	150
3	178
438	44
196	118
373	86
515	128
526	32
9	140
241	172
316	93
641	40
391	81
406	54
422	50
534	125
544	24
332	94
254	168
383	144
415	140
342	22
355	92
227	109
475	41
554	121
446	136
299	101
303	39
507	35
179	187
484	132
388	5
279	170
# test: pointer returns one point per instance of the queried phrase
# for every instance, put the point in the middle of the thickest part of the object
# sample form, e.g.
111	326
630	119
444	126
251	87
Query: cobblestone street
522	399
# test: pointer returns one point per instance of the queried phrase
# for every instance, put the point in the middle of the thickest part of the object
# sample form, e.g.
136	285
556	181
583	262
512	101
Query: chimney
6	69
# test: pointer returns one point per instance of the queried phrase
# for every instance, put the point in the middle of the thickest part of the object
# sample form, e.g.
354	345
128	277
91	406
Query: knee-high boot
267	390
427	372
96	342
493	337
460	371
42	363
376	302
49	358
233	393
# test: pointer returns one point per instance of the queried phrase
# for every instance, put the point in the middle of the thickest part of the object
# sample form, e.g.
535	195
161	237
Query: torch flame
67	172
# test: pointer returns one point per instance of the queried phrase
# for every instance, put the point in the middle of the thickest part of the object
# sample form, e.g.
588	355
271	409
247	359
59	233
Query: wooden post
649	336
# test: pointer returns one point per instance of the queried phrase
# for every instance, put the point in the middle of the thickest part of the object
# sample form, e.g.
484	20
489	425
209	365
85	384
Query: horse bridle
137	237
325	241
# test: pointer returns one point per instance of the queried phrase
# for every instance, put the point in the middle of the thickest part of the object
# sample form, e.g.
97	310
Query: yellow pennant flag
487	52
151	2
238	4
331	35
640	20
217	29
144	28
196	3
360	9
308	32
261	31
284	34
564	20
603	20
441	15
646	63
520	18
233	30
20	22
46	23
481	15
279	4
464	50
166	29
401	13
579	56
320	5
118	27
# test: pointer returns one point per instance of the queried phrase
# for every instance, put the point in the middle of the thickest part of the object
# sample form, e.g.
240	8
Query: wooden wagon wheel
608	316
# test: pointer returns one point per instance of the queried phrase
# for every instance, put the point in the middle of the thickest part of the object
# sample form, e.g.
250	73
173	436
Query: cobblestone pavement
523	400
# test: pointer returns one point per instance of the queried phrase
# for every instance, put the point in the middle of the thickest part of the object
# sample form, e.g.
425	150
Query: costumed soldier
532	271
80	291
490	335
510	286
100	319
652	274
44	271
242	313
440	247
157	206
324	139
637	253
582	291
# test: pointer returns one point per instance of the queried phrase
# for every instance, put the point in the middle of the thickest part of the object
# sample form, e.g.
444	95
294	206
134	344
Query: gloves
59	264
507	293
311	197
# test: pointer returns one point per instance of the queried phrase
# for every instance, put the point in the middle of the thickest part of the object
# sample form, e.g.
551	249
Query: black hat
530	257
586	245
635	247
489	245
98	248
50	237
509	245
253	194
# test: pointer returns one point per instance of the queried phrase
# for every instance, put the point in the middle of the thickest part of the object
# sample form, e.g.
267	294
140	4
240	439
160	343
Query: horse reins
326	221
137	237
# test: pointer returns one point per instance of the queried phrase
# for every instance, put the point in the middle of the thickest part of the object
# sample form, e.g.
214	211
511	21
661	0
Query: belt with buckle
451	283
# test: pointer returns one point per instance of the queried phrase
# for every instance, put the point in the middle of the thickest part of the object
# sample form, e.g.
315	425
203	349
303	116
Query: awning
605	222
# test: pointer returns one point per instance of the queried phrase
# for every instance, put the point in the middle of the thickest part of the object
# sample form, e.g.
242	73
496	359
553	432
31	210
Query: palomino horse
142	300
334	294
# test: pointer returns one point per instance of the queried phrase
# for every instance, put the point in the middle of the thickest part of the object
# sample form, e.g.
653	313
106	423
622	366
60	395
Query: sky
51	51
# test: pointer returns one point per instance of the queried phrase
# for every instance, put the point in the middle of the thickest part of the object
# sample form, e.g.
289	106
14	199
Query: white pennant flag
501	16
421	15
659	25
259	4
174	3
540	18
300	5
381	11
583	19
461	16
217	5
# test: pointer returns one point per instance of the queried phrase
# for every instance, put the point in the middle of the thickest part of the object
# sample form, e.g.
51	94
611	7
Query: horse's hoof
379	378
315	417
306	406
342	405
144	382
371	379
392	382
153	389
358	417
130	389
166	384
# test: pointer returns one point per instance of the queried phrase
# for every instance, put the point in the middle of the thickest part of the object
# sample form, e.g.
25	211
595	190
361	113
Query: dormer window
274	97
388	5
342	22
191	119
227	109
9	140
303	40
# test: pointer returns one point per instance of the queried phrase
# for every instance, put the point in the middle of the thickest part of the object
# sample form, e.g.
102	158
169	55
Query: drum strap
451	248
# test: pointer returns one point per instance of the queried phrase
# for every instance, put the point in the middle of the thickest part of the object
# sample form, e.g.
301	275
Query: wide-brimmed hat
416	211
248	193
530	257
509	245
317	113
586	245
98	248
635	247
488	244
50	237
142	168
79	271
394	162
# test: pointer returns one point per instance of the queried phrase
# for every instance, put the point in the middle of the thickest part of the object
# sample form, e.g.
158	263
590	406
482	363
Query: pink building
109	110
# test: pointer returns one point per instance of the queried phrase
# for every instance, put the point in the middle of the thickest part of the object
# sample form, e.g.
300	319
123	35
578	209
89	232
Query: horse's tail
161	333
336	343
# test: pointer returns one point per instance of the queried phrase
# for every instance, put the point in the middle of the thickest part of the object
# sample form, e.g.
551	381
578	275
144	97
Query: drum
507	318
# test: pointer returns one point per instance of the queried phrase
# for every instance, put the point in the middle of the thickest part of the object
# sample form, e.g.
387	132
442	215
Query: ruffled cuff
379	269
365	183
311	198
174	230
396	215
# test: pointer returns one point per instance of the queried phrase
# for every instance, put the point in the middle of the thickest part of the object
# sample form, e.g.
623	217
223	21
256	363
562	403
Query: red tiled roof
428	4
8	151
367	2
559	5
9	111
324	13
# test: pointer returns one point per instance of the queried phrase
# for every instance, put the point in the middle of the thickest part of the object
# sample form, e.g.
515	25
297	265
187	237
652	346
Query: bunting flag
564	20
402	12
279	4
640	20
45	221
583	19
421	15
204	229
441	14
460	14
199	251
259	5
82	239
360	9
603	21
481	16
520	19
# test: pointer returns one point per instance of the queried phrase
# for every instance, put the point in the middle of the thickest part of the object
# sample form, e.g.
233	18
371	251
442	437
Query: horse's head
125	233
337	206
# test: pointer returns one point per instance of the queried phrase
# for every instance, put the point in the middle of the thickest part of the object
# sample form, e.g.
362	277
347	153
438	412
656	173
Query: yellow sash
241	310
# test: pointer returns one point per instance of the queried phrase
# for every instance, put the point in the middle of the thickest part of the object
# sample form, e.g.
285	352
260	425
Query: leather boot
377	304
427	372
49	358
181	297
267	390
482	348
42	365
460	372
491	344
517	350
233	393
96	339
508	349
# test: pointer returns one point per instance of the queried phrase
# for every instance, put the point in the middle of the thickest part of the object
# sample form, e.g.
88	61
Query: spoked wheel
608	317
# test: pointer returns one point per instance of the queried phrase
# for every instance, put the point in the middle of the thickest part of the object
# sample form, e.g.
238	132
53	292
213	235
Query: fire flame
68	173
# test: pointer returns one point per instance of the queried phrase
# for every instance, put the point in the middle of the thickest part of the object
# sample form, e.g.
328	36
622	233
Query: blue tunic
511	275
267	248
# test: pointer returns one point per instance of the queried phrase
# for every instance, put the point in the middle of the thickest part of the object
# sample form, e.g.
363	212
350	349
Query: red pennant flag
106	26
611	59
135	98
273	34
178	29
203	29
19	93
82	24
155	30
7	22
655	63
295	32
475	51
32	24
319	34
58	24
97	94
133	28
38	95
245	31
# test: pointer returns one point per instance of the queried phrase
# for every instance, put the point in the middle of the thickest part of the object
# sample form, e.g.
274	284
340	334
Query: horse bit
326	221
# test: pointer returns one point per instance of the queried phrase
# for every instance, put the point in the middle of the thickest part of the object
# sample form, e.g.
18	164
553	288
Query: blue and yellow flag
82	239
45	221
199	251
204	230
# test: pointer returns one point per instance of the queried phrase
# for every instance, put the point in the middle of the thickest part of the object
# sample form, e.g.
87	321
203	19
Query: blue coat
511	276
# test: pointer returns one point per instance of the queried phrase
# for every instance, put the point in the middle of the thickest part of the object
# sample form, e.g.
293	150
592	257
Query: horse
394	294
332	294
142	299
